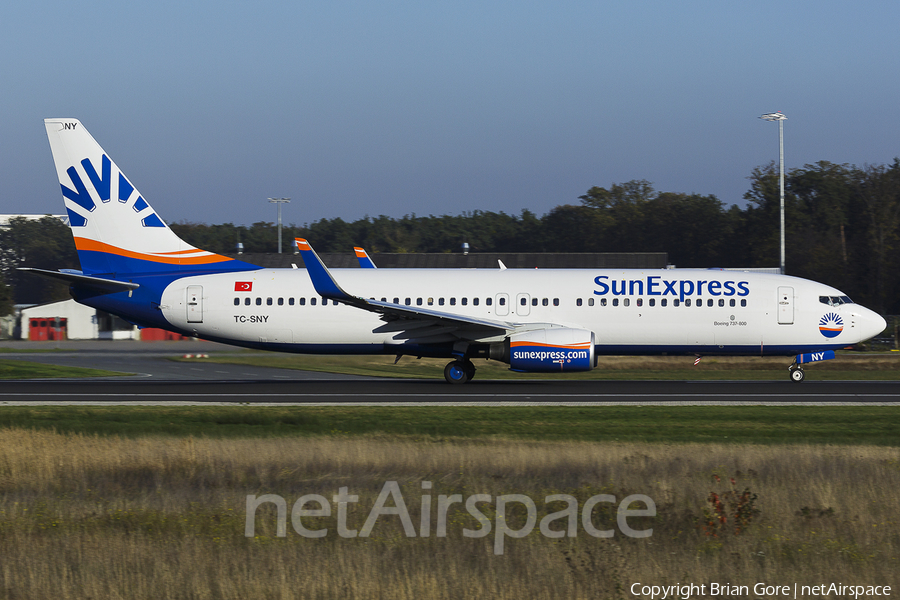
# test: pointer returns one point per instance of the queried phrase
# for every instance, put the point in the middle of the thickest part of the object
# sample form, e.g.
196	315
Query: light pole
778	116
279	202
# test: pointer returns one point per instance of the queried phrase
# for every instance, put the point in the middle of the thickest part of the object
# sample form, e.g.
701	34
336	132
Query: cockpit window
835	300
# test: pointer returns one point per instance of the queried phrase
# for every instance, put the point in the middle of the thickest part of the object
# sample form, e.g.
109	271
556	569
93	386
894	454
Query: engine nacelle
552	350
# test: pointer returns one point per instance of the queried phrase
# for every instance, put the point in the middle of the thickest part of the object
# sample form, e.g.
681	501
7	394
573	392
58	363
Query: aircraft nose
872	324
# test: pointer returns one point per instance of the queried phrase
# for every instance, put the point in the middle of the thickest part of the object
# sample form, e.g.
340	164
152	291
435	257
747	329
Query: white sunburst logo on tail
831	325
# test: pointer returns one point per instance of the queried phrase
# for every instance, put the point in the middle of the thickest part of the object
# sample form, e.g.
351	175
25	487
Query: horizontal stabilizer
109	286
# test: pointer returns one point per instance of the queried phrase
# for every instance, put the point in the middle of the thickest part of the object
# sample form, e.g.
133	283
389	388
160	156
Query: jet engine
559	349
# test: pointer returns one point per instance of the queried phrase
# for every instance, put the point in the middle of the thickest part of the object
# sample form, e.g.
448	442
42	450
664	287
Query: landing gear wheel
458	371
470	370
797	374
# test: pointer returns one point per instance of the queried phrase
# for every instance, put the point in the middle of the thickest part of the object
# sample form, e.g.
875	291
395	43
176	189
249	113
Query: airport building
69	320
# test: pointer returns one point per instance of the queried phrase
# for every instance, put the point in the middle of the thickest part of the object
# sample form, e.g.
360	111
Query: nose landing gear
797	373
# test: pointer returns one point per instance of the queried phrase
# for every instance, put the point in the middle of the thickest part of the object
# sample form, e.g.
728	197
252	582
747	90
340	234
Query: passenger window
652	301
534	301
578	302
488	301
237	301
523	301
302	301
639	302
615	301
474	301
465	301
663	302
291	301
259	301
590	301
721	302
281	302
396	300
687	302
602	301
268	302
731	302
312	301
440	301
502	301
709	302
743	302
626	302
556	302
452	301
676	302
408	301
418	302
384	299
246	301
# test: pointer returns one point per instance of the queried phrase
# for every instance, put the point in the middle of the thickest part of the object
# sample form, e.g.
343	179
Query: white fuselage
629	311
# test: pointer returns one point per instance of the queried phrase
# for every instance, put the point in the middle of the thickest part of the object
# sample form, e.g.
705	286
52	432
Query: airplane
363	257
535	320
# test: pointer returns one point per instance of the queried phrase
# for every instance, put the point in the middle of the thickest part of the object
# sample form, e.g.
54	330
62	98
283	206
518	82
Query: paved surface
160	380
151	360
436	392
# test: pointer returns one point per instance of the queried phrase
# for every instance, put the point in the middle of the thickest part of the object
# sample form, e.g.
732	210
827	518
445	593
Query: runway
398	392
159	381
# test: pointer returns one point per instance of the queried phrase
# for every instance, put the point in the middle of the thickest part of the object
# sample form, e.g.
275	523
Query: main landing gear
796	372
459	371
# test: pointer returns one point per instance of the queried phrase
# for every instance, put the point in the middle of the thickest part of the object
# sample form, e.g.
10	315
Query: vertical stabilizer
116	230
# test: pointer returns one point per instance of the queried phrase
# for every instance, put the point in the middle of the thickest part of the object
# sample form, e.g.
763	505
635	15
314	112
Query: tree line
842	228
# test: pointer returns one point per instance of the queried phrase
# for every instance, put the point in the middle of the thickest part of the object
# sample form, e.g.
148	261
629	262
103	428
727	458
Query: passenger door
786	305
195	304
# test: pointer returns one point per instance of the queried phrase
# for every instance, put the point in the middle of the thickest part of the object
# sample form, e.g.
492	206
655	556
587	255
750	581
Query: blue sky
393	107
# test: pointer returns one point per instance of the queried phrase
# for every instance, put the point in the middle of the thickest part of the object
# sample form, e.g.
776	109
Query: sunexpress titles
656	285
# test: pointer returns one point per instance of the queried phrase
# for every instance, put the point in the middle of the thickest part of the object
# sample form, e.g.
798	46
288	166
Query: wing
413	324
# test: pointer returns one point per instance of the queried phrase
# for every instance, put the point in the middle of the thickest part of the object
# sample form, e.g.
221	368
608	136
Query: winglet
321	278
364	261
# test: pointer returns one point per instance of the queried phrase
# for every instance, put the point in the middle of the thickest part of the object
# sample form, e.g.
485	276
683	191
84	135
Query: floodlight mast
778	116
278	202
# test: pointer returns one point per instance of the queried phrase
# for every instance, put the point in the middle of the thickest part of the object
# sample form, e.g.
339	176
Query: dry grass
105	517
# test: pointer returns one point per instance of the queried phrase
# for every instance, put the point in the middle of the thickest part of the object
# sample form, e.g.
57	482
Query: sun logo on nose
831	325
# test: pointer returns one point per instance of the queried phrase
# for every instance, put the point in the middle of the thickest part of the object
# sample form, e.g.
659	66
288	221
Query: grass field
22	369
848	366
86	516
151	502
869	425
